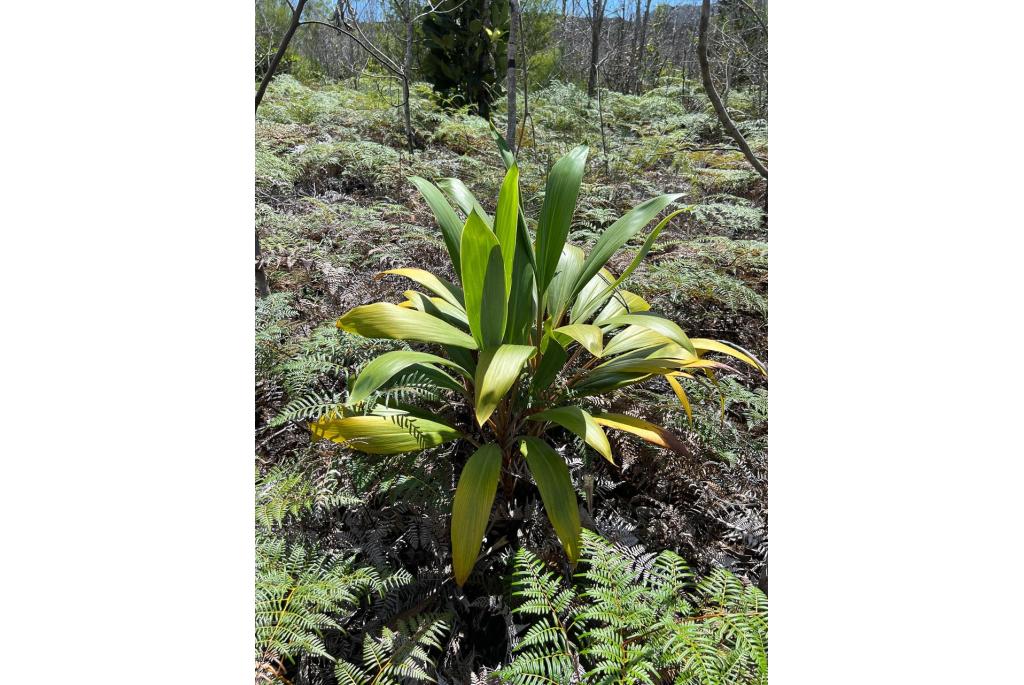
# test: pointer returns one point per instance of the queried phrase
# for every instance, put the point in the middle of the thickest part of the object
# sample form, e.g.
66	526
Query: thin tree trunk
642	51
262	286
407	71
281	49
716	102
633	68
604	143
510	73
526	88
596	19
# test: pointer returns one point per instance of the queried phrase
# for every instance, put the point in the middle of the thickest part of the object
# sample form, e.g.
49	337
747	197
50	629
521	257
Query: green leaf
550	364
383	368
471	509
399	432
507	156
618	234
496	371
552	477
582	424
461	195
560	289
563	187
585	312
522	305
655	323
589	296
602	383
447	219
449	291
588	335
439	307
385	320
505	222
483	275
623	302
634	338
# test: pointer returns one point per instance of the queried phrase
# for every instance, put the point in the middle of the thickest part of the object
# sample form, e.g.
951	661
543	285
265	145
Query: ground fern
636	618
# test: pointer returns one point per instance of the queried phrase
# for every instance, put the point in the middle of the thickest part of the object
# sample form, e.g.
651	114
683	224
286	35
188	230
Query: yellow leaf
681	394
651	432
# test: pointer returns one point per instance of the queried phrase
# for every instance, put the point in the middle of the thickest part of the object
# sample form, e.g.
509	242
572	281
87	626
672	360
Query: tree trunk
262	287
510	73
281	49
407	71
596	19
526	84
716	102
630	79
642	50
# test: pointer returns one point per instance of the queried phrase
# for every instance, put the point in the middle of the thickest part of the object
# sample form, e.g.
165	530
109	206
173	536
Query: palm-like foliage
534	328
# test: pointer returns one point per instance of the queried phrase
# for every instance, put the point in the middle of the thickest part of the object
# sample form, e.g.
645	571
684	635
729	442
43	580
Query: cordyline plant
534	329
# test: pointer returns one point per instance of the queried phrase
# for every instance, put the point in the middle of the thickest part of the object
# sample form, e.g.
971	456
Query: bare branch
757	15
281	49
716	101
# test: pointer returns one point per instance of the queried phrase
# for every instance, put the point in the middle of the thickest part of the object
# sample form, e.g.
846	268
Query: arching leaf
619	233
589	336
634	338
380	370
706	345
651	432
563	187
447	219
658	324
440	287
439	307
385	320
681	394
384	434
582	424
622	302
586	311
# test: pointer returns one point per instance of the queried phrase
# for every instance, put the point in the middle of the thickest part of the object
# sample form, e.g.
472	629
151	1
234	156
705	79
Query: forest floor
334	208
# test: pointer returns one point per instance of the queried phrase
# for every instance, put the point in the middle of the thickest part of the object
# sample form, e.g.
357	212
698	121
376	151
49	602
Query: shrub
524	339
